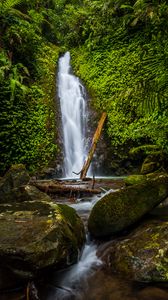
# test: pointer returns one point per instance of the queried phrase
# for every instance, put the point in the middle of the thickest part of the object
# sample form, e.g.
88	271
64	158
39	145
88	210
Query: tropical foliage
123	61
120	51
27	88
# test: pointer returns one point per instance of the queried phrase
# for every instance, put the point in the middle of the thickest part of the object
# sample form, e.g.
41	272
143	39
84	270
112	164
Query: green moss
143	149
135	179
117	210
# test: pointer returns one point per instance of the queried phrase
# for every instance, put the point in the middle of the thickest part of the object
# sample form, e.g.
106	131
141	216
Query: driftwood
93	147
65	188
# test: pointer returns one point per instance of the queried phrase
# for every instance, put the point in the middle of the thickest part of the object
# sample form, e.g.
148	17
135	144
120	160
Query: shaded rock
143	254
149	167
47	173
12	180
135	179
152	293
8	280
37	235
154	162
116	211
29	193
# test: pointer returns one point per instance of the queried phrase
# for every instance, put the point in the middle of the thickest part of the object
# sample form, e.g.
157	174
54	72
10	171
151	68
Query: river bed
89	279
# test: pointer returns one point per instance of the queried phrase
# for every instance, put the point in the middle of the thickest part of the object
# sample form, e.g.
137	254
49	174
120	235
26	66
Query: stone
16	177
152	293
154	162
36	236
29	193
116	211
149	167
135	179
142	255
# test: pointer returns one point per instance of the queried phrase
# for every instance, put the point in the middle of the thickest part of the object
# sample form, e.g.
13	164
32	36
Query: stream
90	279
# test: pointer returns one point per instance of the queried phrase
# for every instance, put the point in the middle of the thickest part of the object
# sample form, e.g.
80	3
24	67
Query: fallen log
65	188
93	147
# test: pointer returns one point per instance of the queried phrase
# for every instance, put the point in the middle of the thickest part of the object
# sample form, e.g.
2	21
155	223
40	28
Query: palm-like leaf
7	4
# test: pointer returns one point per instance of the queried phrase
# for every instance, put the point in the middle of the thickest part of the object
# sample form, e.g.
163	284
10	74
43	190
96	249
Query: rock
152	293
116	211
149	167
143	254
135	179
47	173
38	235
154	162
16	177
29	193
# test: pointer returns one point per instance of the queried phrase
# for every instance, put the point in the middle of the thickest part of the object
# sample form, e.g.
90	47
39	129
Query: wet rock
115	211
142	255
38	235
135	179
152	293
16	177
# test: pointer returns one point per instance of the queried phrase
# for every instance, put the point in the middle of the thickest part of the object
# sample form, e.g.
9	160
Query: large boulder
16	177
135	179
142	255
37	235
116	211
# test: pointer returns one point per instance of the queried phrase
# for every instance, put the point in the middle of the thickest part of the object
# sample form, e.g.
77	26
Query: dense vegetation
123	61
27	77
119	49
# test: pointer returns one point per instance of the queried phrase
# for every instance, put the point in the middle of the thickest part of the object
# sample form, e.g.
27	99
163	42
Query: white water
73	109
72	283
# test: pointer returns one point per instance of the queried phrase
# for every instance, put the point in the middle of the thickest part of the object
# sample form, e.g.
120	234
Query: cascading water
74	118
73	109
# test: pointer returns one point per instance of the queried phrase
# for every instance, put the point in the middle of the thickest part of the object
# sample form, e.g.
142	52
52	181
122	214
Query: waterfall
73	109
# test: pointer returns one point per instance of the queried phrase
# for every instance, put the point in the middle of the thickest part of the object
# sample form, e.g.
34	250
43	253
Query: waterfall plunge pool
90	279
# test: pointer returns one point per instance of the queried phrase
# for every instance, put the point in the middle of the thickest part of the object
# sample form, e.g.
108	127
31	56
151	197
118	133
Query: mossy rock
115	211
38	235
149	167
153	162
16	177
29	193
135	179
143	254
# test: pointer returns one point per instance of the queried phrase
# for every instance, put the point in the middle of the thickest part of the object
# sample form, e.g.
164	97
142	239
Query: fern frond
7	4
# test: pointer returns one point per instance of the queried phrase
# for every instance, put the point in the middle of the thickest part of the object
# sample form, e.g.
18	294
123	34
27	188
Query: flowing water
72	97
88	279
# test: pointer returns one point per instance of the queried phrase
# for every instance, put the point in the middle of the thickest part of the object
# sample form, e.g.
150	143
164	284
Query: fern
8	4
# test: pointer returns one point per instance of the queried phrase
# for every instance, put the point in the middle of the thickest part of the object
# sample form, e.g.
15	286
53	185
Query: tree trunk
93	147
63	188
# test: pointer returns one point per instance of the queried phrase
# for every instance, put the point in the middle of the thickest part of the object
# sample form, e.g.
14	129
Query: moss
135	179
68	213
149	167
144	150
117	210
36	234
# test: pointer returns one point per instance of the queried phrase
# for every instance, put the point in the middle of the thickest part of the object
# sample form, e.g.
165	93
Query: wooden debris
93	147
65	188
